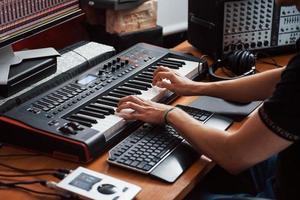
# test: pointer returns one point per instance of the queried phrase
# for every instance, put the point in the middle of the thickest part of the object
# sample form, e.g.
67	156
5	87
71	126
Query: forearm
209	141
250	88
232	151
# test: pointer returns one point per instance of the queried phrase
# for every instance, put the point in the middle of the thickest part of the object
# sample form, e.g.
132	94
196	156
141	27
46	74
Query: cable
44	183
55	174
66	171
63	195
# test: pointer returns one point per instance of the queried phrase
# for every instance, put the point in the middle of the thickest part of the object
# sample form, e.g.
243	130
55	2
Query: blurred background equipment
218	27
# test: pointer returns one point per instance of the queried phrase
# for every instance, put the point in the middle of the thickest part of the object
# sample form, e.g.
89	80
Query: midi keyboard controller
76	120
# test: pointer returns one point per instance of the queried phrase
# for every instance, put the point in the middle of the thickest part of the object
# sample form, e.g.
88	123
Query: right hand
178	84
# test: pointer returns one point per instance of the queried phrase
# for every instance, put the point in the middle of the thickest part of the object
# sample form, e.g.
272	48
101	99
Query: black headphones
240	63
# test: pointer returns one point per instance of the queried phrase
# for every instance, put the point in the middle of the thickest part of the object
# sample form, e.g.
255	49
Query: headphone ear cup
241	63
233	62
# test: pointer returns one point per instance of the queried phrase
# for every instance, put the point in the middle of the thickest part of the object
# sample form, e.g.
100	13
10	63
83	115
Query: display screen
86	80
85	181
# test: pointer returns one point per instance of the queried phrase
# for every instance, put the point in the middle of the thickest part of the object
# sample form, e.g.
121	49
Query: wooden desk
151	188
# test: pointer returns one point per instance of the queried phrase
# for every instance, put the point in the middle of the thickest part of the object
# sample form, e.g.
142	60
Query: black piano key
84	118
84	123
140	78
135	86
149	74
168	65
108	103
114	94
179	64
151	70
110	98
123	92
110	109
140	83
98	110
91	113
174	61
124	88
146	76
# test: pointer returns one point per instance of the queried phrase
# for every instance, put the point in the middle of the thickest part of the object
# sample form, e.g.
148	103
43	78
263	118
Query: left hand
147	111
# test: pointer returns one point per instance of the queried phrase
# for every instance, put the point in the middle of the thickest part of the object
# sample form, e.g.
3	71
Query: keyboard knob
76	126
67	130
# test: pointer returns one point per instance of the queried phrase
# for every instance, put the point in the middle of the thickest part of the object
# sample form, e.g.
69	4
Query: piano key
151	70
98	110
108	103
84	123
179	64
110	109
91	113
175	60
110	98
141	78
123	92
189	70
135	86
172	66
84	118
140	83
124	88
149	74
117	95
110	126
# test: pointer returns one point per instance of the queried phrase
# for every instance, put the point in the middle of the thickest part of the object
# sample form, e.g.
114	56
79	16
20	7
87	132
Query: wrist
167	113
172	116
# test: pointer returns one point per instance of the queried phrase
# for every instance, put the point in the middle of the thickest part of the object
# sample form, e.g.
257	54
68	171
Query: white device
88	184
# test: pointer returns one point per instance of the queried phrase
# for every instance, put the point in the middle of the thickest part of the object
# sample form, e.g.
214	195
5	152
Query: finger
131	105
131	116
161	69
164	84
163	75
131	98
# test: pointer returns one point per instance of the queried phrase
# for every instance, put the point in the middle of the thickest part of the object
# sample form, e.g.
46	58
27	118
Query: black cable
15	185
66	171
25	175
26	182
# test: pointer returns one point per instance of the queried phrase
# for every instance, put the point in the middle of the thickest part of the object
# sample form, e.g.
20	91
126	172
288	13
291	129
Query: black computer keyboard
147	146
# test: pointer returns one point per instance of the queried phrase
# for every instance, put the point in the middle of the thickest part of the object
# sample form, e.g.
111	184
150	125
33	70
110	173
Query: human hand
144	110
177	83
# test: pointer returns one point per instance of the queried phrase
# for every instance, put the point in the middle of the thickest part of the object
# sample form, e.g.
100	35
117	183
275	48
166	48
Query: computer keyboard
149	145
